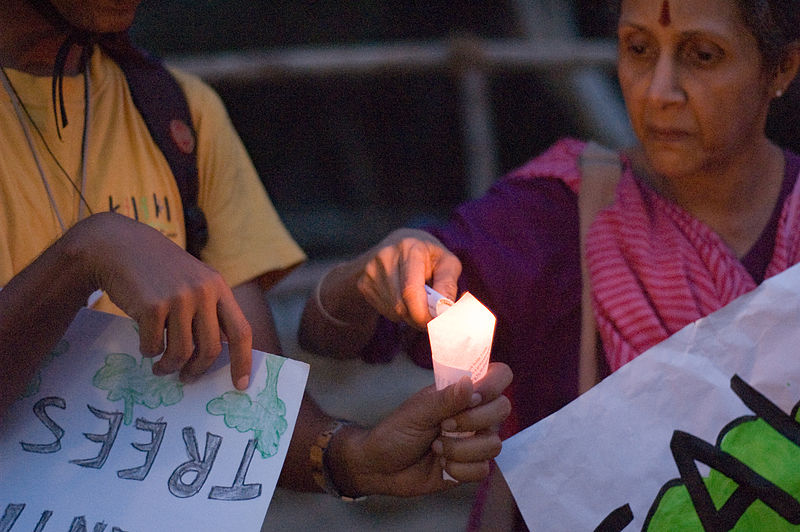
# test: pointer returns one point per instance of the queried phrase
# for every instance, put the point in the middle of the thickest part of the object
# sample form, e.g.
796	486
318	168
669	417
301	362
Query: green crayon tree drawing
758	445
134	383
33	386
264	416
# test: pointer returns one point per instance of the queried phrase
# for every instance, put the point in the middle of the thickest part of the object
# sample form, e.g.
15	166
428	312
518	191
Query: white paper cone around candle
461	341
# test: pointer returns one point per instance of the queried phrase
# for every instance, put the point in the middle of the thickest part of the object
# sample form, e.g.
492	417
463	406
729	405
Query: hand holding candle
461	339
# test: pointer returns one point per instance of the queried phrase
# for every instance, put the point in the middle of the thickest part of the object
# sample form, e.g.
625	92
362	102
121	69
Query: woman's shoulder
561	161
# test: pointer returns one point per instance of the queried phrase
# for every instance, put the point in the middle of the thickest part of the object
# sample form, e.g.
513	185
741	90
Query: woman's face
693	82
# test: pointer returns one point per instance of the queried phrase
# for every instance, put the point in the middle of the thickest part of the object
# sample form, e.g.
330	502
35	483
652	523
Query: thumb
445	276
435	406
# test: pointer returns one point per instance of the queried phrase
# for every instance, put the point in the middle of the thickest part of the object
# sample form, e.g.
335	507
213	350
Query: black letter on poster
78	524
766	410
114	421
687	448
616	520
201	468
10	516
58	432
239	491
156	429
43	521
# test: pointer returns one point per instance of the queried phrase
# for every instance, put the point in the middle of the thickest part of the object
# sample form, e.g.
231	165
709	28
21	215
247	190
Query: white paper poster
698	432
97	443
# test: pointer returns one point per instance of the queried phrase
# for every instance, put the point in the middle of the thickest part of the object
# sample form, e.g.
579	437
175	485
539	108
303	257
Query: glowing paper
99	443
461	340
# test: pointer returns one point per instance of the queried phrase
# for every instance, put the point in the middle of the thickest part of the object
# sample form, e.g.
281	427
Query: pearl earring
779	93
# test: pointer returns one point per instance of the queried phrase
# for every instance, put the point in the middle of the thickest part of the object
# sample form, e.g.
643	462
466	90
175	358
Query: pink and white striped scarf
653	267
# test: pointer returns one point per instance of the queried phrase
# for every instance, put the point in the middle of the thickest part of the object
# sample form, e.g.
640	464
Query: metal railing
470	61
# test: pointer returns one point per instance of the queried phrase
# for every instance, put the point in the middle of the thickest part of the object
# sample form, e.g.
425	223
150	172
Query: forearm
297	473
36	307
348	472
350	321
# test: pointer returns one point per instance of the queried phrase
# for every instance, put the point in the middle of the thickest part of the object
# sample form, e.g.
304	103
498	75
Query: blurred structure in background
363	116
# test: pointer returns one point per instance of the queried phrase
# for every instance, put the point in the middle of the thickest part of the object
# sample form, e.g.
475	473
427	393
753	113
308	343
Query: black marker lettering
157	430
52	426
239	491
114	421
201	468
157	205
43	521
687	449
617	520
10	516
78	524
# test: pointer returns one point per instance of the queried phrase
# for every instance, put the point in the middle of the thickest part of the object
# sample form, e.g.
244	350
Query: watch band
319	468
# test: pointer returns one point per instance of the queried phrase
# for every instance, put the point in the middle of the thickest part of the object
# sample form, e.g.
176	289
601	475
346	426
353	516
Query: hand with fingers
165	289
405	454
389	280
394	274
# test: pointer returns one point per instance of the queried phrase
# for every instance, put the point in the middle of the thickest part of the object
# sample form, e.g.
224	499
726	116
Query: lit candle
461	341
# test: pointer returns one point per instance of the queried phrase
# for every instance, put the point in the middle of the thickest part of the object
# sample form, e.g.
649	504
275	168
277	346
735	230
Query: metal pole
480	145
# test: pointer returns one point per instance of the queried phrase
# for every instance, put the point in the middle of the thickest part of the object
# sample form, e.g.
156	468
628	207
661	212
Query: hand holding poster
99	441
698	432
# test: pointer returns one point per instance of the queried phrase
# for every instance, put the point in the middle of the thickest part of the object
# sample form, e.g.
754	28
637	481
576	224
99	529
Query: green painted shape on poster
264	416
134	383
763	449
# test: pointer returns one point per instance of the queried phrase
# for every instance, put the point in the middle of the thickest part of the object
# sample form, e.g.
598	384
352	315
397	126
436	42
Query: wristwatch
319	467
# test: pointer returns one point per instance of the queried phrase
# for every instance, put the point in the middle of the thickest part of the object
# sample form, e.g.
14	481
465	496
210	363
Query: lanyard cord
22	113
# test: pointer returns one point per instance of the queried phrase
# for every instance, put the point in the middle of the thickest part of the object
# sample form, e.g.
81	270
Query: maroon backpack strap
162	103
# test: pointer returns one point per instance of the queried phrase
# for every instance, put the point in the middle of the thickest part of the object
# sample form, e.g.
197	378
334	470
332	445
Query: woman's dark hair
774	23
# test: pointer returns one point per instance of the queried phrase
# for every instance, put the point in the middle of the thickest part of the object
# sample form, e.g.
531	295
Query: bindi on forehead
665	18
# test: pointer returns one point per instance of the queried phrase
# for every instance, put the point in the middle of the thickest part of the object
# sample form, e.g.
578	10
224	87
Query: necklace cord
22	113
75	37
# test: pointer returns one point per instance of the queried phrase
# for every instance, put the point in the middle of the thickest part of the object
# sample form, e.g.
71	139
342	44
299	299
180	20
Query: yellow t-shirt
127	173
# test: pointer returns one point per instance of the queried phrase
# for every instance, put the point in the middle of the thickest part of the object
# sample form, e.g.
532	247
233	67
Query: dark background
346	159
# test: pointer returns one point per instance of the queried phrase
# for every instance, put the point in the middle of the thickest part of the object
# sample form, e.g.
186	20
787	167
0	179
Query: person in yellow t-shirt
88	205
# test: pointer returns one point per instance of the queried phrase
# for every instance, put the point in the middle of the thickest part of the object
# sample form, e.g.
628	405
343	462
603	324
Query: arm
36	307
162	289
386	280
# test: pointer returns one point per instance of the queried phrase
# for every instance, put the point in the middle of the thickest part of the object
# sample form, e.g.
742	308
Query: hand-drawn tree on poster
752	484
134	383
264	416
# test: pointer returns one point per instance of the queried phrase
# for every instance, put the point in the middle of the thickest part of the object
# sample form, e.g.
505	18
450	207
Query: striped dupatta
655	269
